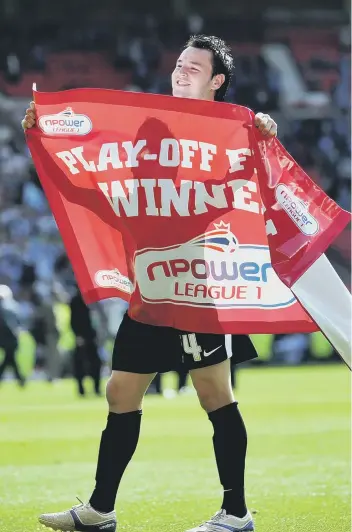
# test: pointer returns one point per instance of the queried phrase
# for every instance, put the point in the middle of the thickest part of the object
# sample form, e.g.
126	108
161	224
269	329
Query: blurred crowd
34	271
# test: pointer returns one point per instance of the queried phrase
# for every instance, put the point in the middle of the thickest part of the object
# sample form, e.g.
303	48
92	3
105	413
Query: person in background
9	328
86	358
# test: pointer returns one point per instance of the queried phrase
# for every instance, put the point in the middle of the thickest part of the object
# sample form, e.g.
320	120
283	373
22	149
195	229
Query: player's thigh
140	351
206	356
213	385
125	390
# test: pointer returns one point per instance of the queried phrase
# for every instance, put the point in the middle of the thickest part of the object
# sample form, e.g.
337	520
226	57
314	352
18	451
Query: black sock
230	446
117	445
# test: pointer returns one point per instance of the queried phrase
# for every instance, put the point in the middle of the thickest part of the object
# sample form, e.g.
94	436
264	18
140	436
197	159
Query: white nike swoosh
211	352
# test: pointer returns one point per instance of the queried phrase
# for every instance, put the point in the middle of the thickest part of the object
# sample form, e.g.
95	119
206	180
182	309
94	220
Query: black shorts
141	348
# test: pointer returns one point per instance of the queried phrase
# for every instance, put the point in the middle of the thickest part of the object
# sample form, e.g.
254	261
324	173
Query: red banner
157	201
303	219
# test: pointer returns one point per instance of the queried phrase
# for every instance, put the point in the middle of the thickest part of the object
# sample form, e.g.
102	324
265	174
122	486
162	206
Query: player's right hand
30	118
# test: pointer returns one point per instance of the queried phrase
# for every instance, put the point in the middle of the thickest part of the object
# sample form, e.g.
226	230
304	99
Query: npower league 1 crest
211	270
66	122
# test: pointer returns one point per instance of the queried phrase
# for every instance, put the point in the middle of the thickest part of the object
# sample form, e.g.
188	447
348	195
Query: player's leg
124	392
210	372
135	362
140	351
118	443
213	386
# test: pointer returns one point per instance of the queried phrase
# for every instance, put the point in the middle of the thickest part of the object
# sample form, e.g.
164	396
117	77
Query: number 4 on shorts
190	346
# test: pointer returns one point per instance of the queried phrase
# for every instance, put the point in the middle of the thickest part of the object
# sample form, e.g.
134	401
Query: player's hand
30	117
266	125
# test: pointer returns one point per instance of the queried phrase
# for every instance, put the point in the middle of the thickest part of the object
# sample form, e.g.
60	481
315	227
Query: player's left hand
266	125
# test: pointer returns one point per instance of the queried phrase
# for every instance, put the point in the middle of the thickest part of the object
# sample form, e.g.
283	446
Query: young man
203	71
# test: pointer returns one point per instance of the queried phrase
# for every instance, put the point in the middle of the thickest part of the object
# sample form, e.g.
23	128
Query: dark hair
222	59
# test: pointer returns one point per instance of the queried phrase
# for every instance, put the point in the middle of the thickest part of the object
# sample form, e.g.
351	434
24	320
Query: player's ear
217	81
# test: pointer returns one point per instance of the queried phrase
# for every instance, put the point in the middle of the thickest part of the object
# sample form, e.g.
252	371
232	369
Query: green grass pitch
298	466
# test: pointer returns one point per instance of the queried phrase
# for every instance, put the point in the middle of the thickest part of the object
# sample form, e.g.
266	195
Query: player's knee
112	392
120	397
212	396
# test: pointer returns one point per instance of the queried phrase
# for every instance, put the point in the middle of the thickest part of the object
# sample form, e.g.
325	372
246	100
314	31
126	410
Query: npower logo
297	210
113	279
214	270
66	123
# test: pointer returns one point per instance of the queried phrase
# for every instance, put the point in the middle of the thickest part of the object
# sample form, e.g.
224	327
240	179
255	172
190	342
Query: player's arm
266	125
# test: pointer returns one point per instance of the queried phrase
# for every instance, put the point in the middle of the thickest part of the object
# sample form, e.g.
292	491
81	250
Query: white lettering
207	154
188	152
179	197
168	145
109	154
118	195
218	199
235	158
149	186
70	161
78	153
132	152
270	228
169	194
241	195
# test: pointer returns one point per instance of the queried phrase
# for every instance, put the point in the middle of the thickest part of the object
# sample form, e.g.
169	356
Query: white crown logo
222	225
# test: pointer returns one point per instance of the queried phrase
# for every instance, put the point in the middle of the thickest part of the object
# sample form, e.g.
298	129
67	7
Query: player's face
193	75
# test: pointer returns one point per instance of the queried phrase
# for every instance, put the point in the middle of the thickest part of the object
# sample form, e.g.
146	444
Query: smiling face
193	75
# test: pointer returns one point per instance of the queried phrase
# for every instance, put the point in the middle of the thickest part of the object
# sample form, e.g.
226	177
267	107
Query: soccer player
203	71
